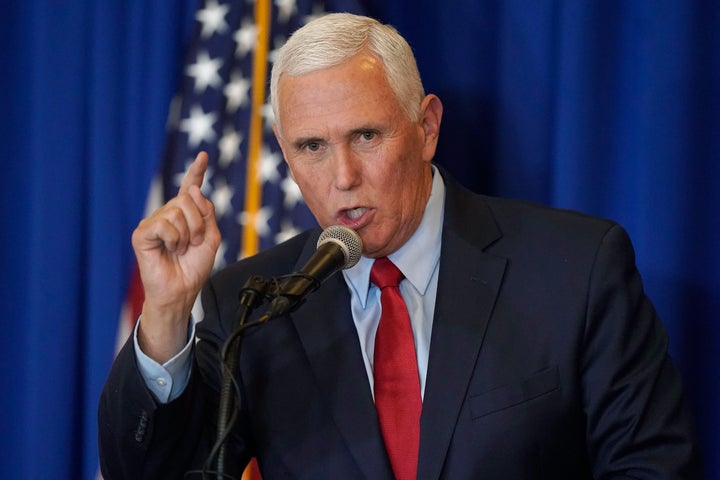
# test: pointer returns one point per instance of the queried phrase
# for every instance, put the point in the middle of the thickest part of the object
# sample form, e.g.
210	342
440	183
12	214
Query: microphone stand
286	293
251	296
338	248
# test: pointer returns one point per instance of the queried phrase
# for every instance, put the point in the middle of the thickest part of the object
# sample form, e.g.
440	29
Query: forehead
355	90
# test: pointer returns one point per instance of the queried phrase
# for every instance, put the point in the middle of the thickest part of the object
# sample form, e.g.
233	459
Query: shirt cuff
166	381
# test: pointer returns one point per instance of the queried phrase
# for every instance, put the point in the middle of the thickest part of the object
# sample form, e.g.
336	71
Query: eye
312	146
367	136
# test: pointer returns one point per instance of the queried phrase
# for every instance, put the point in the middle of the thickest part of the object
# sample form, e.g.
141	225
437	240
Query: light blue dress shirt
418	259
166	381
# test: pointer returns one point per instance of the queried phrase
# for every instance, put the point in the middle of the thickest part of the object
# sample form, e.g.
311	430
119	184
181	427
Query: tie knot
384	273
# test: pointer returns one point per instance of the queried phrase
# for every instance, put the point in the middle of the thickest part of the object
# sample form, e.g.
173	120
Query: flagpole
253	190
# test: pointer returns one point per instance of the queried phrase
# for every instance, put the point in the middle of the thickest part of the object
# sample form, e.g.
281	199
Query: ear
431	110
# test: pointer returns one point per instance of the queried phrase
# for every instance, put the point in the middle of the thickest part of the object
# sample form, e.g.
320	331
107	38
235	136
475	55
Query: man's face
357	158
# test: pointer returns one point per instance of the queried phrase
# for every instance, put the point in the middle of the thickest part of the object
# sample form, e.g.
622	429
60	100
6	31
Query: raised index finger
195	173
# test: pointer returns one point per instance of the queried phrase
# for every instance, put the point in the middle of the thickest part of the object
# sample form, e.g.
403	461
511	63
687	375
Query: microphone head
347	239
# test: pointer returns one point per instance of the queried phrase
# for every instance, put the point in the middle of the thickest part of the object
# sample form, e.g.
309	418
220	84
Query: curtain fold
85	92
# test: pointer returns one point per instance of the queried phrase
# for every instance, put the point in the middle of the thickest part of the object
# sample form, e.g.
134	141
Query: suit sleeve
142	438
638	424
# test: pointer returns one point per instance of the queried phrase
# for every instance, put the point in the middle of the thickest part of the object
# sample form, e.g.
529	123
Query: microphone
338	248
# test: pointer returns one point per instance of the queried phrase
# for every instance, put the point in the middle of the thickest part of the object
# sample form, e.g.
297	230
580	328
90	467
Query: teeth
356	212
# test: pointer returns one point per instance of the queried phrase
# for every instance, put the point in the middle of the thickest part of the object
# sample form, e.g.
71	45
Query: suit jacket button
140	432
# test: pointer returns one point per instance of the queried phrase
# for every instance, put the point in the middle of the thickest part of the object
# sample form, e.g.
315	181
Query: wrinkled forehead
351	85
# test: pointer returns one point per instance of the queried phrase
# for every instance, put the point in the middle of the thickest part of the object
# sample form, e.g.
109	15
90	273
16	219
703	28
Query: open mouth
355	213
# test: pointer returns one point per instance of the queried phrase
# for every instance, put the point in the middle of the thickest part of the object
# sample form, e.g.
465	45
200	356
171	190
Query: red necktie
397	383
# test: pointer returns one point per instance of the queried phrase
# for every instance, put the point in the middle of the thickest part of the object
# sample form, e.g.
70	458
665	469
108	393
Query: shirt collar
418	257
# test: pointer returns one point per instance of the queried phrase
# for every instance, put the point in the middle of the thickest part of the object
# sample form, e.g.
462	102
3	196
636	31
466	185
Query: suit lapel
469	281
328	335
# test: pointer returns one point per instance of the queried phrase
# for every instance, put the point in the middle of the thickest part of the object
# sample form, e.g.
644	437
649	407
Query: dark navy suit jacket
547	361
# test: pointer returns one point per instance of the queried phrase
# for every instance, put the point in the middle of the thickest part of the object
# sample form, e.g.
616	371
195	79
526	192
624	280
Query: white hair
330	40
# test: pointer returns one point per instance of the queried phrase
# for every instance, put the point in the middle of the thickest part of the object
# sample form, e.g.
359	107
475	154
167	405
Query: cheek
308	188
314	188
302	174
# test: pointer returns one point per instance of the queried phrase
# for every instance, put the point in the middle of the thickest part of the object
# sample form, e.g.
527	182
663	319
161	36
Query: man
536	352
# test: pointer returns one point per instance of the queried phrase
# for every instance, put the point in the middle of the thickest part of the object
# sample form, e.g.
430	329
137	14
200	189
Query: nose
345	169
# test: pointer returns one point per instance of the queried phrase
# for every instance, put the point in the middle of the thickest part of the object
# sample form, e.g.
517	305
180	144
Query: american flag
222	108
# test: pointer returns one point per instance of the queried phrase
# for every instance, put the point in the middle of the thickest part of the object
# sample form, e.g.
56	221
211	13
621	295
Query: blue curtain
612	108
85	89
608	107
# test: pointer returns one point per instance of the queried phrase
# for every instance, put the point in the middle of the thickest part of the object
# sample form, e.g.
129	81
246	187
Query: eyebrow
368	128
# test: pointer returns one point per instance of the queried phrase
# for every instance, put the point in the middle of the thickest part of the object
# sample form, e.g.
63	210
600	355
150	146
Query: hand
175	249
